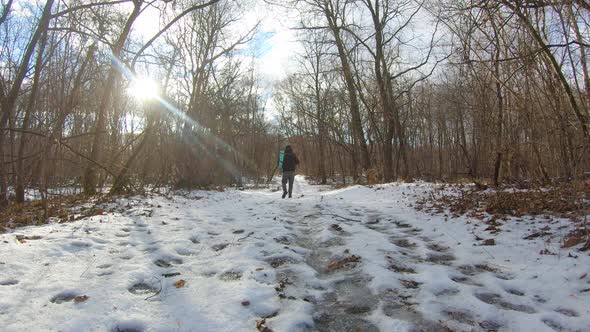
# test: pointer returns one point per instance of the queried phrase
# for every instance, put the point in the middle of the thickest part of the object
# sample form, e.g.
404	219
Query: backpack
281	158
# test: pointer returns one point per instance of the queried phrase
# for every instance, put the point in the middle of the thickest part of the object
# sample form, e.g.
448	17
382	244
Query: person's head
288	149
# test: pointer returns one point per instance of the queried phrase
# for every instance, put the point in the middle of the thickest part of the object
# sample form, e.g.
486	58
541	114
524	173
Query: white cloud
273	49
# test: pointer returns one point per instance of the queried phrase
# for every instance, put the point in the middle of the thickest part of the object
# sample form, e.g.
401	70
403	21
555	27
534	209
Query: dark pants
288	177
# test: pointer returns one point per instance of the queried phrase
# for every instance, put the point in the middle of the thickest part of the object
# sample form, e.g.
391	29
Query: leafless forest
492	90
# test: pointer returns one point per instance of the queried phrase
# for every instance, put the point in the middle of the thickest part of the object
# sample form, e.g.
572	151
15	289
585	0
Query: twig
158	292
88	267
245	237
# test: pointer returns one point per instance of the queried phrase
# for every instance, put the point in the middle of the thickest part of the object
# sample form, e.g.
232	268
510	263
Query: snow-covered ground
354	259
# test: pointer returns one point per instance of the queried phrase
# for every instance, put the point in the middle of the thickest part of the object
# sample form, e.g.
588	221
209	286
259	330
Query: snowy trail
354	259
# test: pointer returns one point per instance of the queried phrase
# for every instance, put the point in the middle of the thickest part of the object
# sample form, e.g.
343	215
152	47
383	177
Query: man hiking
290	161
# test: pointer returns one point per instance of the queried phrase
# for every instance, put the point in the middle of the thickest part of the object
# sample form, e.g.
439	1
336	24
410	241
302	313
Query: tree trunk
580	113
105	101
19	188
9	101
499	133
357	124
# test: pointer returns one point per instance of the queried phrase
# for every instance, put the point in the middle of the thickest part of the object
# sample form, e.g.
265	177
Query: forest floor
353	259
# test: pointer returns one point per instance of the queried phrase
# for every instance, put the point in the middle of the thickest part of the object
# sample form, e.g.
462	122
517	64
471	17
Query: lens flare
143	89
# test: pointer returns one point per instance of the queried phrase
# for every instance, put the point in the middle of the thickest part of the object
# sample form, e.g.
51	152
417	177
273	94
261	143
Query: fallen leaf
180	283
489	242
572	241
80	298
261	326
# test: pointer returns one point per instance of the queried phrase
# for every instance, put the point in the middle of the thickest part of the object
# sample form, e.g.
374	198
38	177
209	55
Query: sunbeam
144	88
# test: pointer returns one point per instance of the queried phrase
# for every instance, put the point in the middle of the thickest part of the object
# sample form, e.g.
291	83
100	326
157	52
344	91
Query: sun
143	89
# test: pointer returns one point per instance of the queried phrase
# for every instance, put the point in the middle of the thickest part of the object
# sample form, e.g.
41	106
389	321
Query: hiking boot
285	194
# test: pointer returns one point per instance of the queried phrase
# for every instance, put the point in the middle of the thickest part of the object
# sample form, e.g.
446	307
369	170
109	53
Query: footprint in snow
219	246
278	261
446	292
75	246
440	259
126	256
9	282
184	251
567	312
337	229
142	288
65	296
401	224
556	326
411	284
373	218
514	291
344	308
344	322
412	231
396	306
167	262
128	326
230	276
491	325
333	242
283	240
437	247
464	280
461	316
150	249
496	300
472	270
99	240
399	268
404	243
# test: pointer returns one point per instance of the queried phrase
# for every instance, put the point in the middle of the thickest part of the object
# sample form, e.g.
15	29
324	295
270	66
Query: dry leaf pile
567	200
36	212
